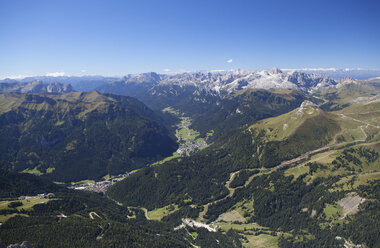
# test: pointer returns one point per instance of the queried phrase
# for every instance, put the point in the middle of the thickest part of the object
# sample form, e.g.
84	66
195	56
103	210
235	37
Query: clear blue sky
112	37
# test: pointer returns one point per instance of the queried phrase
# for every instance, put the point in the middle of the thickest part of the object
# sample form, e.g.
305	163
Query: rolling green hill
75	136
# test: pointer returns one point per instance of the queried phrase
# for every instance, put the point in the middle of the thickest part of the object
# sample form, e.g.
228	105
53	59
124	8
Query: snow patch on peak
232	81
274	71
347	80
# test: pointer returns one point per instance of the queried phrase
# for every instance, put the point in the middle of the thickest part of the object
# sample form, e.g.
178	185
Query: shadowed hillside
78	136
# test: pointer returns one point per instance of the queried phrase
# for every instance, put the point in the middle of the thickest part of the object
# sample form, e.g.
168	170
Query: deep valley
247	168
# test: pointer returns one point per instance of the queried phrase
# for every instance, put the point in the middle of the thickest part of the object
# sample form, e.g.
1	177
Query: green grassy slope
296	204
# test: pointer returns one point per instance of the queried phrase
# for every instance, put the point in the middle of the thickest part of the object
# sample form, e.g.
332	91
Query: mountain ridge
76	135
229	82
36	86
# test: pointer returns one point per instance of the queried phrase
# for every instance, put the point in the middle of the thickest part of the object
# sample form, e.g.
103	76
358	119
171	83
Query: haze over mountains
357	73
212	82
268	159
226	82
35	87
82	83
189	124
229	82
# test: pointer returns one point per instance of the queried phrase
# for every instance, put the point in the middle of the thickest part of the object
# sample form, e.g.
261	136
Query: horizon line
166	72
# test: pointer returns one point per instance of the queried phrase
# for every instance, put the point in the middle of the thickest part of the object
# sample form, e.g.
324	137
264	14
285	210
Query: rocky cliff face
221	83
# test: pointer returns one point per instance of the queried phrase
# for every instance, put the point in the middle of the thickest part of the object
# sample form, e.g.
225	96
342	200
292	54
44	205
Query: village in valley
100	186
188	142
187	138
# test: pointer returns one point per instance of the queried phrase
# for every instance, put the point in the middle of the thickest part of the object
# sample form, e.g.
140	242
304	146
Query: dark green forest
81	135
234	185
66	221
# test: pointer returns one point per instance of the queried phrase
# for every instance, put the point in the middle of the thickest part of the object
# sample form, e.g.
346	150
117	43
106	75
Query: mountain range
265	159
357	73
223	83
35	87
79	83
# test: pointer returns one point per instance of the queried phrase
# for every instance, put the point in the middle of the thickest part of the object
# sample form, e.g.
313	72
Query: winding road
283	164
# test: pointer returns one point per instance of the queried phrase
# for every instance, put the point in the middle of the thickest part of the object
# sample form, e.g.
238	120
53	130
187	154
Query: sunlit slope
290	135
295	180
281	127
349	92
361	120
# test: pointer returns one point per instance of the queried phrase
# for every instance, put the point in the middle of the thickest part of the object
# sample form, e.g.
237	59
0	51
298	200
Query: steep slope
201	176
211	112
285	137
246	107
77	136
14	184
224	100
160	91
290	179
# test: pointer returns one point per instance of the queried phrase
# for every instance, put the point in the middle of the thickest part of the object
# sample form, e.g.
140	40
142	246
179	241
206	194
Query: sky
110	37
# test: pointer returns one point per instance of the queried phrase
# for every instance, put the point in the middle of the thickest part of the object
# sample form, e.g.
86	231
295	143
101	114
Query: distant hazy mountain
219	83
35	87
341	73
293	161
83	83
133	84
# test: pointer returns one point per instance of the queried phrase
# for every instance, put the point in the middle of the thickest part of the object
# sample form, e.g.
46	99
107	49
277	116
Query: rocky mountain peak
307	107
347	80
218	83
308	103
274	71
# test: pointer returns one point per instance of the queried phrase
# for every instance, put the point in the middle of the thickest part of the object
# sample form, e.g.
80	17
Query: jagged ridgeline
221	101
74	136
